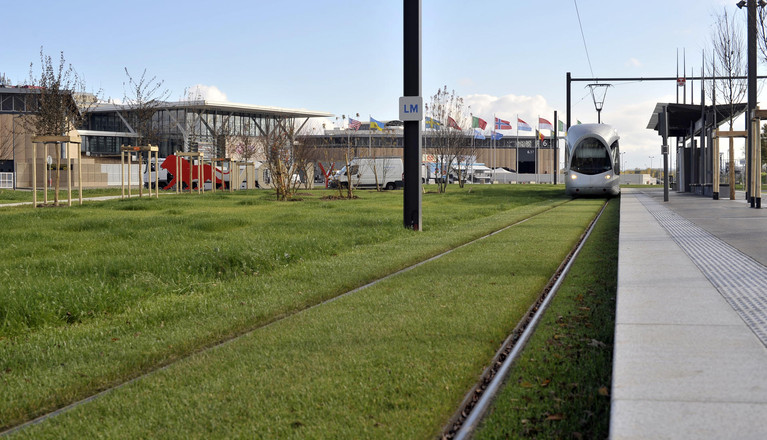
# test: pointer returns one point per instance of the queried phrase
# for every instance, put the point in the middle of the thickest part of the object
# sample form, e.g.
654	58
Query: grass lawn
391	361
560	386
96	294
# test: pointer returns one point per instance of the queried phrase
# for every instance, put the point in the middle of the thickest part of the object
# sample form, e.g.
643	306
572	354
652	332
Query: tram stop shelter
694	127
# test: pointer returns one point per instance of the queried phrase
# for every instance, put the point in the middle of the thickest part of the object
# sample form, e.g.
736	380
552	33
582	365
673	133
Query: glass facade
177	128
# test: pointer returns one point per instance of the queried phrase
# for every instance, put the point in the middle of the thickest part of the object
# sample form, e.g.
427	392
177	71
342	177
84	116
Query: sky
504	57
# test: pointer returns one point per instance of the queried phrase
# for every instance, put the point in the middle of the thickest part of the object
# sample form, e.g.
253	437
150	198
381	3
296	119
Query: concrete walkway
76	200
690	357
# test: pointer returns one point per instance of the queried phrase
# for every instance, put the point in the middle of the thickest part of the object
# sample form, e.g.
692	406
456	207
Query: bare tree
56	110
7	127
728	61
245	144
144	97
214	133
348	156
381	168
761	31
472	148
286	153
448	144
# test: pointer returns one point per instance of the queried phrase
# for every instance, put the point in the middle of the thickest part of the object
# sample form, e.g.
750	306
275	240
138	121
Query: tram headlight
607	177
573	176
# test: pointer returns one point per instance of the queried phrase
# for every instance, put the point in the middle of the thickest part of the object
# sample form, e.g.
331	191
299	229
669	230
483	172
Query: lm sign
410	108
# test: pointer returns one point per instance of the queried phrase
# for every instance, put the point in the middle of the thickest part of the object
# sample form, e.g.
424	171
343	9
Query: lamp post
721	162
651	158
751	52
623	161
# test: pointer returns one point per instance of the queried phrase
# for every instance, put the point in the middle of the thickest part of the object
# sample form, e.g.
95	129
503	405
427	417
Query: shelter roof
682	116
205	105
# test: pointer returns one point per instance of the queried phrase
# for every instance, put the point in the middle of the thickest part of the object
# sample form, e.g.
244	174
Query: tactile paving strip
741	280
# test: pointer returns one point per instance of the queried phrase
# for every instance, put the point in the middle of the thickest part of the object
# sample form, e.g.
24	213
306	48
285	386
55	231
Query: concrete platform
690	358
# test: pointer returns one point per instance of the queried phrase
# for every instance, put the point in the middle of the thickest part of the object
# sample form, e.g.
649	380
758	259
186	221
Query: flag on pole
452	124
478	134
376	124
543	124
523	126
496	136
354	124
561	126
579	122
539	134
433	123
500	124
478	122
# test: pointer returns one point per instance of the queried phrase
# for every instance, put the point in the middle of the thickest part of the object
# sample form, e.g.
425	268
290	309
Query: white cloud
318	125
509	106
633	62
208	93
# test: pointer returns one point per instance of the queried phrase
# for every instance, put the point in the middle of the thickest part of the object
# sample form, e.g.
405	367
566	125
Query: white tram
592	160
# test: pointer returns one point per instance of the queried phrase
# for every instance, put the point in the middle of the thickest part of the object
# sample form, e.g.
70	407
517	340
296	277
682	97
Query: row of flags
374	125
477	123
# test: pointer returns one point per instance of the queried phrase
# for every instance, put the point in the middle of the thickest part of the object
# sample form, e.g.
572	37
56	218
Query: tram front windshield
591	157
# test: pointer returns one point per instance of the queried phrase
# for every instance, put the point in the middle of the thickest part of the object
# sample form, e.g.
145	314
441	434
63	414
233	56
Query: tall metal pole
13	131
556	147
664	152
751	36
569	107
412	129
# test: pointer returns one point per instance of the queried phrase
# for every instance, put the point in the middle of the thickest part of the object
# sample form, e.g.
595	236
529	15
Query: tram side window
615	151
591	157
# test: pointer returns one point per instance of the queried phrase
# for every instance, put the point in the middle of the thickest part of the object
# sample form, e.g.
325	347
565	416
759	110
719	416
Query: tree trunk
349	190
58	175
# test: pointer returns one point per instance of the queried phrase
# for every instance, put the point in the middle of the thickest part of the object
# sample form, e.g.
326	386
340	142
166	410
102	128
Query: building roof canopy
683	116
226	107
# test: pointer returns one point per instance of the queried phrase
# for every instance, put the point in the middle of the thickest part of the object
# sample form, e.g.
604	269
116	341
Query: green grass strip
95	295
559	388
391	361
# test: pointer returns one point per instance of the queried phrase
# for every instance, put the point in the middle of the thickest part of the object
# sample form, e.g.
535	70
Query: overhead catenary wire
583	37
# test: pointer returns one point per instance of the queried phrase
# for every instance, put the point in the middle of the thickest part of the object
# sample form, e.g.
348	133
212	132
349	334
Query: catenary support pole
412	129
751	46
664	152
556	147
568	108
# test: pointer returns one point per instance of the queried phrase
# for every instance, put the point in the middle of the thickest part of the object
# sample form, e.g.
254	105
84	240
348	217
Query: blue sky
345	57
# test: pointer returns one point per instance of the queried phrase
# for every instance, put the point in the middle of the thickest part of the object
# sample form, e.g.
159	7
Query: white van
365	172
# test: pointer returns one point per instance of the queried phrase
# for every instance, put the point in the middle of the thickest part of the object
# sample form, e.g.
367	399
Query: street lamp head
741	4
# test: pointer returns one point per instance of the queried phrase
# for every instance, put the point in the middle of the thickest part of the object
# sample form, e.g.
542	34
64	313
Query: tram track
479	399
234	337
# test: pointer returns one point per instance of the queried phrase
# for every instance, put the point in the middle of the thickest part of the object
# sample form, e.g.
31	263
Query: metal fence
6	180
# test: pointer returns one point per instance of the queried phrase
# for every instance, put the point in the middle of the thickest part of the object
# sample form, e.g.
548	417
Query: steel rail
468	416
237	336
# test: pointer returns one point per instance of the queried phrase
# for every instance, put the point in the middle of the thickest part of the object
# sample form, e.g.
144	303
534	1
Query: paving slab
690	359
